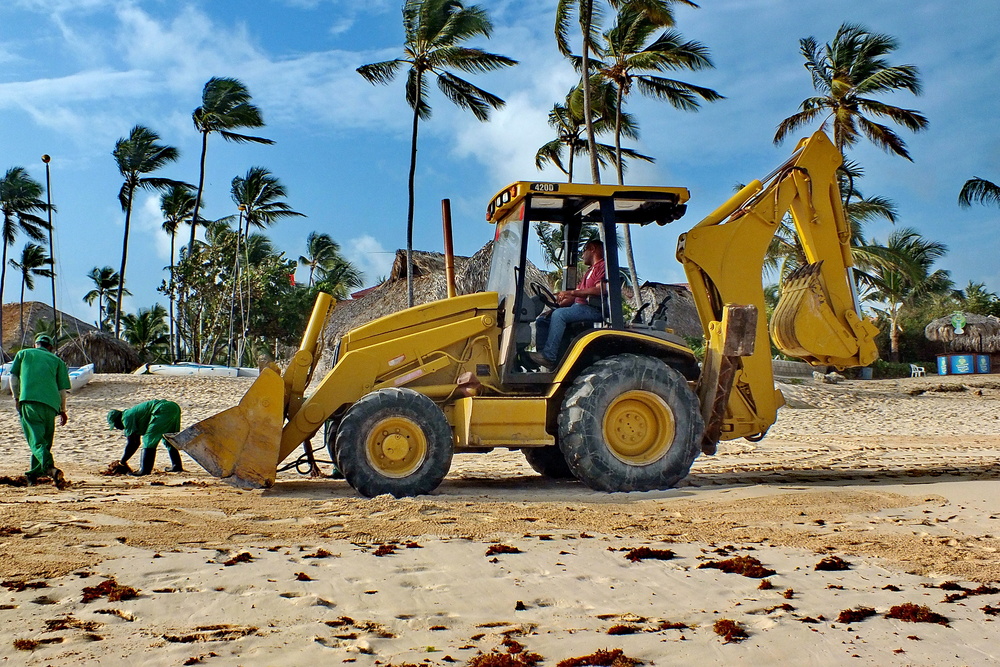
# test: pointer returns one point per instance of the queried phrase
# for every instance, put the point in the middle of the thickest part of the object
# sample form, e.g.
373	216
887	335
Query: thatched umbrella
981	334
107	353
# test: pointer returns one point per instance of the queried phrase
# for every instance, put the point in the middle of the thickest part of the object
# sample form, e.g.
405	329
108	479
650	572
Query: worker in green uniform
148	421
39	382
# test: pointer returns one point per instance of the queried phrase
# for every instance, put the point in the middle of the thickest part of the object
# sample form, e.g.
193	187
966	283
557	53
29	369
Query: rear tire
394	441
630	423
548	462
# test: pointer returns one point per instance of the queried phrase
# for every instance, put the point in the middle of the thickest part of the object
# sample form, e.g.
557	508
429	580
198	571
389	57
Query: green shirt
42	375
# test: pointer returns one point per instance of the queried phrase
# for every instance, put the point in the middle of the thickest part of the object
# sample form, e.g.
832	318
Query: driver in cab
573	307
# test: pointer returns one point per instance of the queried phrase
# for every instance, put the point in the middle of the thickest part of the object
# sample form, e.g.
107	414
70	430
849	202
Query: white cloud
366	253
147	219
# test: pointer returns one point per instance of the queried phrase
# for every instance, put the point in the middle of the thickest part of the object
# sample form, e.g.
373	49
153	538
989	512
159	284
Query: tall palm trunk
410	190
595	168
173	352
121	272
22	312
3	279
201	187
629	255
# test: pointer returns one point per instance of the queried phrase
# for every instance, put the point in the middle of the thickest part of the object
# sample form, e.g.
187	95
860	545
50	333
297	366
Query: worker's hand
17	406
63	419
565	298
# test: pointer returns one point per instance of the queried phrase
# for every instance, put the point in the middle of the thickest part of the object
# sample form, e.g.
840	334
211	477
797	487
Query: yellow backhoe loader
628	407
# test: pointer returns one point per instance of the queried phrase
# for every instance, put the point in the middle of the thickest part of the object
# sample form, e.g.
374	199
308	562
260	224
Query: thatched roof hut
681	313
429	284
981	334
107	353
34	312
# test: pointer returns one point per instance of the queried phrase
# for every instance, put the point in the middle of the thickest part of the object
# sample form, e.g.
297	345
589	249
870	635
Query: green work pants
38	421
166	418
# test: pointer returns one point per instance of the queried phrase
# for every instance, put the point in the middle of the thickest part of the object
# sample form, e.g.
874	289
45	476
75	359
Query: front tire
630	423
394	441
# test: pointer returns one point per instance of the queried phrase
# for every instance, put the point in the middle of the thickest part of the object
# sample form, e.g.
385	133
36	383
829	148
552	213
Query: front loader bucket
240	445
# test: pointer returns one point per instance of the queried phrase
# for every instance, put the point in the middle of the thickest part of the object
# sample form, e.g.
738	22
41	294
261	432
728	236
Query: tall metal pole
48	200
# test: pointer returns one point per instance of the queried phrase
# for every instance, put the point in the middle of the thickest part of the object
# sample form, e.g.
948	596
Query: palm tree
225	106
979	191
136	155
259	193
628	60
905	276
567	120
20	200
658	11
435	29
146	331
321	252
33	262
177	206
339	278
847	73
106	282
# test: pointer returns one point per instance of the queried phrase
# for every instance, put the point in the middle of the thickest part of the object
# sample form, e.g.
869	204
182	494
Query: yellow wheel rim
396	447
639	427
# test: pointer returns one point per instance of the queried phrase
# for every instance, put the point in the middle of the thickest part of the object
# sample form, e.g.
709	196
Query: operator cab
573	206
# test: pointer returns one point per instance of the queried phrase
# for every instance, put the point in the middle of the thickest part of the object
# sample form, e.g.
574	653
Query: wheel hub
638	427
396	447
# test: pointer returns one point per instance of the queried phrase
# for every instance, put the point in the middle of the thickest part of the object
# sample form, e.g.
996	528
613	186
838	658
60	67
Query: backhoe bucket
240	445
805	325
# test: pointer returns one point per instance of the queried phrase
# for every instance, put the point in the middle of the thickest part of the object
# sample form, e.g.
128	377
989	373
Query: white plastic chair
917	371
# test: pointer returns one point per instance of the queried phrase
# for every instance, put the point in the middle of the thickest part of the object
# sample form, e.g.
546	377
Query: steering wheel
545	294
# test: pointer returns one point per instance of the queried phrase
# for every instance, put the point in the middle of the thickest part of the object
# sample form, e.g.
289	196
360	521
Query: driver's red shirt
592	278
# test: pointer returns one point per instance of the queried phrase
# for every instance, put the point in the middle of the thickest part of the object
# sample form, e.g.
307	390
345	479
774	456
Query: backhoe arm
817	318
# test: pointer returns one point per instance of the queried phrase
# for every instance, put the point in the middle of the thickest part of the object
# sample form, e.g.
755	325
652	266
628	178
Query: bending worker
149	421
39	382
573	307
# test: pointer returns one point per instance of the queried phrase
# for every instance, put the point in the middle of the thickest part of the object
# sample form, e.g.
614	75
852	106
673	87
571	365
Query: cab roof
561	203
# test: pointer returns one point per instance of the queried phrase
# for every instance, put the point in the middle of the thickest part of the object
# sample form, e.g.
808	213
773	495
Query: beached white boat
78	376
189	368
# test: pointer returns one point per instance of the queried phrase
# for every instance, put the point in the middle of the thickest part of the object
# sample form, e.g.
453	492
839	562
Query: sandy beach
867	521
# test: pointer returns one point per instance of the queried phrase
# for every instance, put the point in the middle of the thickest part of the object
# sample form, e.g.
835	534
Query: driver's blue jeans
549	330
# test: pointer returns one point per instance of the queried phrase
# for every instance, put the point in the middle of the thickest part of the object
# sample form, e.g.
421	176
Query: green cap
115	419
43	338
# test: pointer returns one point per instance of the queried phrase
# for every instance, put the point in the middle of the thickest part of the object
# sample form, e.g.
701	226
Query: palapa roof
107	353
981	334
34	311
429	284
681	313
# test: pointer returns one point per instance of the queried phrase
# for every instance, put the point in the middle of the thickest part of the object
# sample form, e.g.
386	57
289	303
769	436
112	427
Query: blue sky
76	75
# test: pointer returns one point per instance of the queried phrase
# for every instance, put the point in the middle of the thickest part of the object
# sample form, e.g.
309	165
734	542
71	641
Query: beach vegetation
632	55
177	205
34	262
225	106
136	155
979	191
147	332
435	31
849	73
106	282
20	204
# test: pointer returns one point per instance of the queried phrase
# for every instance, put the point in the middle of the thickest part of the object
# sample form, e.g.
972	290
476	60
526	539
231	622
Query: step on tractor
627	406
